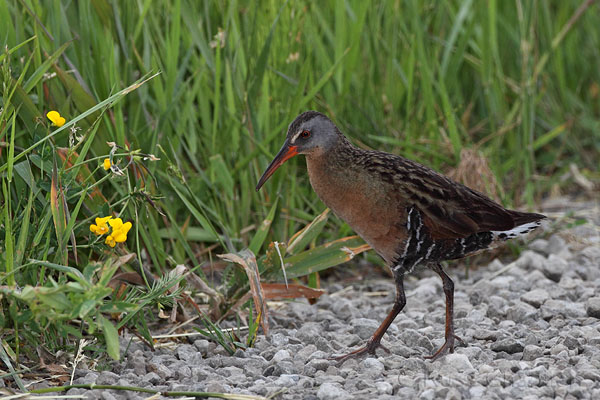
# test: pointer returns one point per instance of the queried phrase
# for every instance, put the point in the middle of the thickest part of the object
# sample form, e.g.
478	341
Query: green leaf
324	256
263	230
220	176
304	236
111	336
548	136
56	300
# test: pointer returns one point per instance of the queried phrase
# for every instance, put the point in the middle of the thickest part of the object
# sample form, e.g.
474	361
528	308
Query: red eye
305	134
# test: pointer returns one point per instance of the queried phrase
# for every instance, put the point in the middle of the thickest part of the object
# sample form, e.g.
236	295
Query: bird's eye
305	134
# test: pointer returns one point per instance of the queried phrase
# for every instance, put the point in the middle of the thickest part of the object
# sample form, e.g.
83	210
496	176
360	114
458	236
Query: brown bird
408	213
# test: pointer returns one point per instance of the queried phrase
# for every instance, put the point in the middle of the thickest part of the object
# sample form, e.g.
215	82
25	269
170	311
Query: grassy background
514	82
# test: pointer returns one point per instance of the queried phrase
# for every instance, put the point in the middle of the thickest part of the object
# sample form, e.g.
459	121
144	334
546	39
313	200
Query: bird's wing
450	209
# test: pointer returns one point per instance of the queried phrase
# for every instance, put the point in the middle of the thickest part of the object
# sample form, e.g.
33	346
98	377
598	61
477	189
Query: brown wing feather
450	209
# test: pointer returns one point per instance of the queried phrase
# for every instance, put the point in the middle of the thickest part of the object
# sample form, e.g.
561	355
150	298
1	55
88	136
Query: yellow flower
110	241
119	230
106	164
100	227
56	119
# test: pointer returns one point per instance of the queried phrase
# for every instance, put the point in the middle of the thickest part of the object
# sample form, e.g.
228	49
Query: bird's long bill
284	154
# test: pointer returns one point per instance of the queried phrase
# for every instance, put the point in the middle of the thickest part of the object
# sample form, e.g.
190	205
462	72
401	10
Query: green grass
517	81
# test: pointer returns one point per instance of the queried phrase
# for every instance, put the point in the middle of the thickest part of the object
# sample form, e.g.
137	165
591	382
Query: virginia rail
408	213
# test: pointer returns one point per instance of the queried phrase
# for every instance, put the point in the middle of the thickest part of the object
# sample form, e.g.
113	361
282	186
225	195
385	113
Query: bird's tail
516	231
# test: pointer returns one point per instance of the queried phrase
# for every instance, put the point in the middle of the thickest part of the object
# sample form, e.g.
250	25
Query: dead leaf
293	291
247	260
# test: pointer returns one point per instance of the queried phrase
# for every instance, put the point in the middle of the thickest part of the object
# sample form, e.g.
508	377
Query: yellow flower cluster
119	229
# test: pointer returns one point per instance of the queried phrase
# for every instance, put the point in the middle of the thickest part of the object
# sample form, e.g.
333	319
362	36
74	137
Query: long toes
447	347
462	342
354	353
383	347
370	347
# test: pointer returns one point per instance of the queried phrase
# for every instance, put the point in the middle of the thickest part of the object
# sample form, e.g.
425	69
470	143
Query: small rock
535	297
372	366
186	351
413	338
477	392
539	245
554	267
284	367
301	310
309	332
90	377
231	371
216	387
556	245
107	378
384	388
509	346
532	352
279	340
306	352
458	362
364	327
106	395
318	364
484	334
202	346
239	353
552	308
559	348
343	309
502	281
281	355
161	369
592	307
521	312
331	391
152	378
286	380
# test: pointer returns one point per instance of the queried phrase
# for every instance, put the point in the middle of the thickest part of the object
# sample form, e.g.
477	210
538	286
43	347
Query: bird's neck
335	158
333	173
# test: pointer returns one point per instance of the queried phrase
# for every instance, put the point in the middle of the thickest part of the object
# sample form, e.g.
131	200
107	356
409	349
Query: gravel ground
531	328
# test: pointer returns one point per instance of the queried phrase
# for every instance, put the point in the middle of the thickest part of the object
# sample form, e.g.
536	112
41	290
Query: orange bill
284	154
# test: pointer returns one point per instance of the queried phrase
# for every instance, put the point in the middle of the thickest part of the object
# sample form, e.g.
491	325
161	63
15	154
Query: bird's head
311	133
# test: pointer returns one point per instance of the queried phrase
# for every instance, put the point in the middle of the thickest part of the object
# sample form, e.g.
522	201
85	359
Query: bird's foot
369	347
448	346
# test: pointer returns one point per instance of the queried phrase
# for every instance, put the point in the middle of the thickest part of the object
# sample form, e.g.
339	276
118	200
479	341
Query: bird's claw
369	347
448	346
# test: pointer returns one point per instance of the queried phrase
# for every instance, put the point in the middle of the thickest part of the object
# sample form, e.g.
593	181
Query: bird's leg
448	286
375	340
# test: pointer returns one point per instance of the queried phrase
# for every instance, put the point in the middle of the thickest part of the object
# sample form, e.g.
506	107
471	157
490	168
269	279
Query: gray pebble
384	387
509	346
281	355
413	338
458	362
555	267
536	297
372	366
107	378
364	327
553	308
331	391
592	307
532	352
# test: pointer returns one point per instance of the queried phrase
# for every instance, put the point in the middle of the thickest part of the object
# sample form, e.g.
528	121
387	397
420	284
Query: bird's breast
364	203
